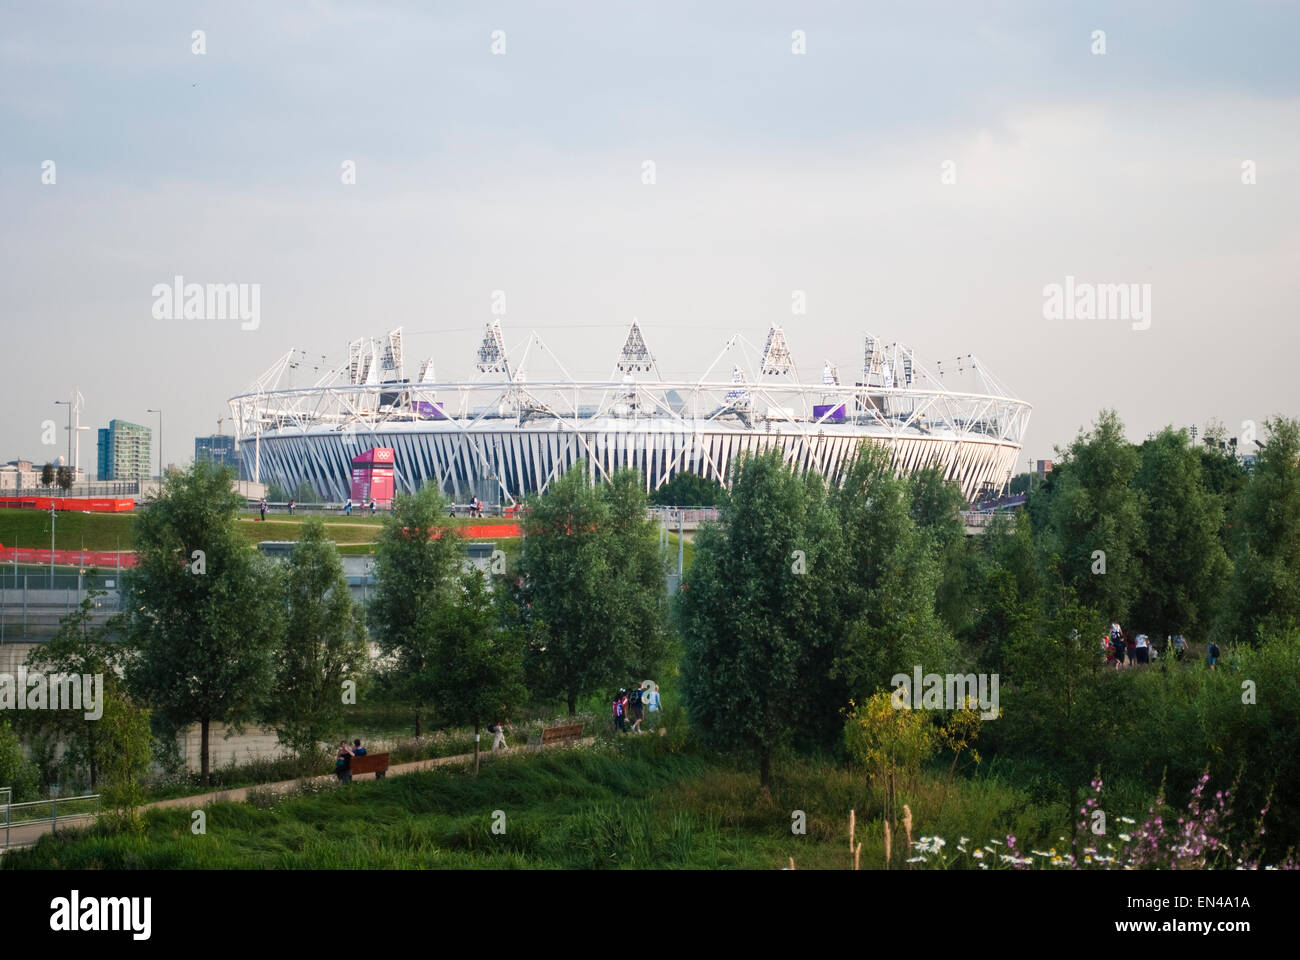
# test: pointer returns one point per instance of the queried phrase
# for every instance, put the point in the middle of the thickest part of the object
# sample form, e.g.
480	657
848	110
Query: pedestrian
372	506
1142	644
262	507
1117	641
291	507
1213	657
620	711
343	763
638	713
1180	646
498	731
347	510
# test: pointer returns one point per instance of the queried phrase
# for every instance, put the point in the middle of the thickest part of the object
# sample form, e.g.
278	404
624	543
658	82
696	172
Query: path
28	834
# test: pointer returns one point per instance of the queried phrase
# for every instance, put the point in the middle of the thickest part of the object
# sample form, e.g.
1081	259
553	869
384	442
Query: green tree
203	609
324	644
1184	566
476	667
1264	598
889	578
1095	518
128	742
687	489
65	478
305	493
593	586
757	612
47	475
936	506
1007	589
82	648
21	777
418	567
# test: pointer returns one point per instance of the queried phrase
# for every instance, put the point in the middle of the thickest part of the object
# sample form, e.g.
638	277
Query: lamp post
160	472
68	404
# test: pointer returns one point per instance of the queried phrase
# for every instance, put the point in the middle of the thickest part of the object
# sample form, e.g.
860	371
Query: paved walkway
27	834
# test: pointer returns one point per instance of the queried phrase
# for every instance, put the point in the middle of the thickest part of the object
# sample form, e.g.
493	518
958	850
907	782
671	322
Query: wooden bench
561	732
376	763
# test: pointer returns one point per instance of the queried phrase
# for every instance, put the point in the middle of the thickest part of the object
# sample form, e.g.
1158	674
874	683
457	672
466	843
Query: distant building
220	450
1044	467
25	476
124	451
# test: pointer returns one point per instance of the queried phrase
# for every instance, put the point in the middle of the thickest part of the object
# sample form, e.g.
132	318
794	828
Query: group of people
347	507
343	759
634	705
1126	646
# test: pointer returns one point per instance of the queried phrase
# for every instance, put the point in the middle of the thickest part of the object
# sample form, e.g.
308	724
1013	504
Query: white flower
979	855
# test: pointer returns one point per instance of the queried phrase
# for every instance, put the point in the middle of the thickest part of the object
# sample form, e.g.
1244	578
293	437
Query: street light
68	404
160	473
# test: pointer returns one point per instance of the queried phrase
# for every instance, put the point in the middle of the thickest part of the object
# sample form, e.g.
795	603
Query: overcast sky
774	172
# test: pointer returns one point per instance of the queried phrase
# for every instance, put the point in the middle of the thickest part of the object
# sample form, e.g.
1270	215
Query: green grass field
646	802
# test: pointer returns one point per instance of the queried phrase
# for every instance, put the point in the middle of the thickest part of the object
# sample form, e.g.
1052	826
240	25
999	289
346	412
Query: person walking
620	711
1212	658
498	731
347	509
1143	646
1180	646
262	507
291	507
638	713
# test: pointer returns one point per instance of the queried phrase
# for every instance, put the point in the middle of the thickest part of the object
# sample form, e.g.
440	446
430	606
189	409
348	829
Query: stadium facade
501	435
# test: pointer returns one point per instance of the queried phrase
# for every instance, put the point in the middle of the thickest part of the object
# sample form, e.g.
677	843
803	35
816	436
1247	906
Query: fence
74	808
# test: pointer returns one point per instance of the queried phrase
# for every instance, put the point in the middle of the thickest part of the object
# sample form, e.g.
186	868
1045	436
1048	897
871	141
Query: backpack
636	697
618	707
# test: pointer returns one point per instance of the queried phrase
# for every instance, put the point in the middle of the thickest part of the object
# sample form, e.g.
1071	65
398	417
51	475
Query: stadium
501	435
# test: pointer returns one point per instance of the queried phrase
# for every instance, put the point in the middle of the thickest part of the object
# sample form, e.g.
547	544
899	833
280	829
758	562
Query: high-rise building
124	451
217	449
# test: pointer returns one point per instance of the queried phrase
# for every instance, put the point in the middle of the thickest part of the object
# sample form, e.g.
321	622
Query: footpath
24	835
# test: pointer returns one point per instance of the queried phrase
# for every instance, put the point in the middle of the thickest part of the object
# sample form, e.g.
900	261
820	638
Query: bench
561	732
376	763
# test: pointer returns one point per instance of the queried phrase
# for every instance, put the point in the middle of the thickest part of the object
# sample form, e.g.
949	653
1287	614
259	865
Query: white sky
775	173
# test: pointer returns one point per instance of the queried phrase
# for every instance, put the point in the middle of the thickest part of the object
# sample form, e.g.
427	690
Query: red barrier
103	559
89	504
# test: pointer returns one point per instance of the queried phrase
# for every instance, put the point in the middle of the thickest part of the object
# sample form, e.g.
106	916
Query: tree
935	508
889	579
84	649
47	475
1056	696
593	586
687	489
476	666
1184	566
65	477
1094	520
305	493
1007	590
324	644
21	777
1264	597
128	742
757	611
203	609
417	565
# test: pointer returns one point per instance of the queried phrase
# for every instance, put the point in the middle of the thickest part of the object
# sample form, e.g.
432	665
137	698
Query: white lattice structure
501	435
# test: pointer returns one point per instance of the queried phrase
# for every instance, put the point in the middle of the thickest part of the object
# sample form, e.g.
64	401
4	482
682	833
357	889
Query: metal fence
36	812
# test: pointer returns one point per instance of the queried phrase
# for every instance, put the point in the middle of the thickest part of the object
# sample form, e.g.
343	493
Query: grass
113	531
651	802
